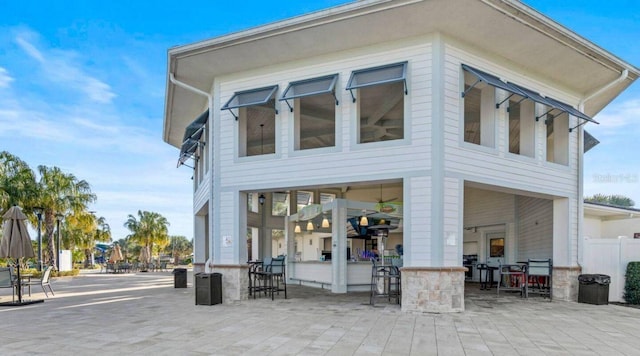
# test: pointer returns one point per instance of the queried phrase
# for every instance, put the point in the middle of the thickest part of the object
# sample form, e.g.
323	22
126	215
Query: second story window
313	103
479	106
380	99
256	120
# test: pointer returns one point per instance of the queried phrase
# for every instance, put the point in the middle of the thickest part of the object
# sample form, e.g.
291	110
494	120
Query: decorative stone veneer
235	281
433	289
565	282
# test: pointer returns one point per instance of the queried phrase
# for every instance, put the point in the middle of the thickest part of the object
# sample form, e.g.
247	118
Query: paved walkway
143	314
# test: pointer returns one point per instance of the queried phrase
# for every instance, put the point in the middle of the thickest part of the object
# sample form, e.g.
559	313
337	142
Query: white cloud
62	67
5	78
31	50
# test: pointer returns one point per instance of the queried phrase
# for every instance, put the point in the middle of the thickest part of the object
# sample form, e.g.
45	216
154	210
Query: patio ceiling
519	36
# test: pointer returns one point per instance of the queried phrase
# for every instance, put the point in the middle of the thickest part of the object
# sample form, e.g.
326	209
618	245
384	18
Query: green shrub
632	283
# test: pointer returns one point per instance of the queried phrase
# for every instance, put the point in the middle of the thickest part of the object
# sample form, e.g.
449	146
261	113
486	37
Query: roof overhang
607	212
505	28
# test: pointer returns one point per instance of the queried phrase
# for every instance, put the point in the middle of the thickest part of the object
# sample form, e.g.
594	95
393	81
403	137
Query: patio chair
273	277
539	278
42	282
385	282
8	280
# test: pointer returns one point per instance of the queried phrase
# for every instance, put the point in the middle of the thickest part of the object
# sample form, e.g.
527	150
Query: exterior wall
432	160
403	158
432	289
592	227
235	281
535	227
616	228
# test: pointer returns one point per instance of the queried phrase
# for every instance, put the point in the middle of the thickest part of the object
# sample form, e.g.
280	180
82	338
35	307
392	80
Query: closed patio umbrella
145	257
16	243
116	254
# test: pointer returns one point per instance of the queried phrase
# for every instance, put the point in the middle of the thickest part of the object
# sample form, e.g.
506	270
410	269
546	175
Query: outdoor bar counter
319	274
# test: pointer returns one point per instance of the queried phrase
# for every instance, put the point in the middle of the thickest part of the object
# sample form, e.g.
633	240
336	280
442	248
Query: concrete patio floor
141	313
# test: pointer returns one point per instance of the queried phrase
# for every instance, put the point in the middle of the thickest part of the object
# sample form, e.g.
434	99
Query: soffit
518	34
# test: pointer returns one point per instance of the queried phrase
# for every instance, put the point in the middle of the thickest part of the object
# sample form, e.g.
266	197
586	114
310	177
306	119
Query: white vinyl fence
610	257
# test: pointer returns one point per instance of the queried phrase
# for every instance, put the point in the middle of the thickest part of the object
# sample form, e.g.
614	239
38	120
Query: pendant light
363	220
297	230
325	222
310	226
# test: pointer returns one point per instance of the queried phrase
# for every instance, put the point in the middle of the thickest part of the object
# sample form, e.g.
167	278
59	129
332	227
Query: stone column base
235	281
565	282
198	267
433	289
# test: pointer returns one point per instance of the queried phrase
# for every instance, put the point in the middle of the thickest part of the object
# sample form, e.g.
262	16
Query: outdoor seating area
126	267
530	277
268	277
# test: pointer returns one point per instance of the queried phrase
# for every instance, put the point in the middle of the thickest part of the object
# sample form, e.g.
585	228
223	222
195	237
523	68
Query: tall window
380	99
514	125
280	204
479	111
314	103
259	125
558	138
256	120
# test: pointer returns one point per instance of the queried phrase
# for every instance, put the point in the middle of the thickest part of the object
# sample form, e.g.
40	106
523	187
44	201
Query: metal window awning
308	87
492	80
532	95
191	140
525	93
196	127
571	111
589	142
389	73
251	97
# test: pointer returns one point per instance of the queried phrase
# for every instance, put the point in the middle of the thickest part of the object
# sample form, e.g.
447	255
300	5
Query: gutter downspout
623	76
209	257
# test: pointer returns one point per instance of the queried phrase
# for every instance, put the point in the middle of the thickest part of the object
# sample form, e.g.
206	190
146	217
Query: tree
614	200
82	230
178	247
149	229
17	183
59	192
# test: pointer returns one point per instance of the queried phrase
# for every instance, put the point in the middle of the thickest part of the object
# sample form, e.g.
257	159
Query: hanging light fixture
325	222
297	230
382	222
363	220
310	226
261	199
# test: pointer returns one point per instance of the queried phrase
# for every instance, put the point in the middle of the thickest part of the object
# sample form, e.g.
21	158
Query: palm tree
17	183
82	230
62	193
149	229
179	247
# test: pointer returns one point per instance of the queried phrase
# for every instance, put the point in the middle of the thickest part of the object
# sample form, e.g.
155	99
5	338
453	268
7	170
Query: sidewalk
114	314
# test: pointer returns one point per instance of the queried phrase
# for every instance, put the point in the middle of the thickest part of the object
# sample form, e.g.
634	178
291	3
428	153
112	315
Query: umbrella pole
19	281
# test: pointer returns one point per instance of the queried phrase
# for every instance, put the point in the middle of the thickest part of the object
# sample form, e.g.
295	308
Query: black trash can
179	278
208	288
594	289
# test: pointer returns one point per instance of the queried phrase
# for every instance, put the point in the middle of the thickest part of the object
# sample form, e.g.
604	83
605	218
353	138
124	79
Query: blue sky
82	87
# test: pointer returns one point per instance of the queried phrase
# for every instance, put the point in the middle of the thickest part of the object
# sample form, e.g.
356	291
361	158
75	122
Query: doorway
495	248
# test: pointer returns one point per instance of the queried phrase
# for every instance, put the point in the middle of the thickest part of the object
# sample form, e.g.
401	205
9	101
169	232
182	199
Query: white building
467	114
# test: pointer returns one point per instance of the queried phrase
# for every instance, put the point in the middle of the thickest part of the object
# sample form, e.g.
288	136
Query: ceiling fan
382	201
